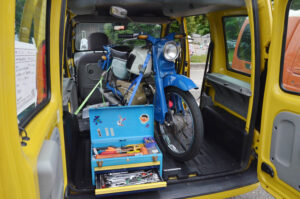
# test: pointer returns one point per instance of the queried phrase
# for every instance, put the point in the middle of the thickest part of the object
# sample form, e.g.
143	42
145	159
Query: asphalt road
197	71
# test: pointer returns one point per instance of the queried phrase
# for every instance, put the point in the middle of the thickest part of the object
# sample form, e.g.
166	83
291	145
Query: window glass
291	63
238	43
30	56
84	30
174	26
244	49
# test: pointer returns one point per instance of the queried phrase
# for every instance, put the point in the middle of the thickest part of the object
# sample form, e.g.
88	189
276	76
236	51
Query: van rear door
279	150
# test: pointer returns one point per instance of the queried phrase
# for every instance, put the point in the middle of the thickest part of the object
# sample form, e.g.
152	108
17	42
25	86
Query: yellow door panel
26	26
279	148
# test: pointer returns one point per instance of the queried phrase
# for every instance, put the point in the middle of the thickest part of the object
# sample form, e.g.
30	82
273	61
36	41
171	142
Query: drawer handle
100	163
154	158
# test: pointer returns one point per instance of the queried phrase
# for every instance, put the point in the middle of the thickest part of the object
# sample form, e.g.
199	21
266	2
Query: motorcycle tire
170	129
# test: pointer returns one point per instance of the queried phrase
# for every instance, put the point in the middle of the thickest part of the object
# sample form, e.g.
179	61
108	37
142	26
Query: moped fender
179	81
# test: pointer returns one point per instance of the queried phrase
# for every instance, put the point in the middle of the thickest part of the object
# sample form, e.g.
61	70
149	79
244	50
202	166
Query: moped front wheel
182	132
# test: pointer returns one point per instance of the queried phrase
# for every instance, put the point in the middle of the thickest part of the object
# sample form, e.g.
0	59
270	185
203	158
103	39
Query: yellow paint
172	178
186	68
163	30
19	164
19	178
130	188
275	101
230	111
229	193
126	166
219	62
217	36
219	59
192	175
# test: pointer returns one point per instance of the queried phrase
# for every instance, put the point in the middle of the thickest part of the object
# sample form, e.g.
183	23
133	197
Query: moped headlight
171	51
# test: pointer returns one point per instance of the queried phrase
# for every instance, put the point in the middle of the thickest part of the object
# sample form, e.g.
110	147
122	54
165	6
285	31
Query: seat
88	70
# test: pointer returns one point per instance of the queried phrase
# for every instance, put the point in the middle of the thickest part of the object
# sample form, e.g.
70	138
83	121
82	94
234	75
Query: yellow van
251	119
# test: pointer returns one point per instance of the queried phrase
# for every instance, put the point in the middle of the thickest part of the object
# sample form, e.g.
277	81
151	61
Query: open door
279	151
31	126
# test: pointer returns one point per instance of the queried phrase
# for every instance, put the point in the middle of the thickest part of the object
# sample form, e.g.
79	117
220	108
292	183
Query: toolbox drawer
128	180
122	144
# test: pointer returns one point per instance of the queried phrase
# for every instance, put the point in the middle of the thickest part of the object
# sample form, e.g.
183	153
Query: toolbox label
106	132
112	132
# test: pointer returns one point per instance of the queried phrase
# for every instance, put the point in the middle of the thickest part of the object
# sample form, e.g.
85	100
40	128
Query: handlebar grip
143	37
178	36
125	36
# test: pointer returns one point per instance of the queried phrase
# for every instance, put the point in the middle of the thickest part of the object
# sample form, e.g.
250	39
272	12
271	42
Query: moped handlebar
141	36
134	35
126	36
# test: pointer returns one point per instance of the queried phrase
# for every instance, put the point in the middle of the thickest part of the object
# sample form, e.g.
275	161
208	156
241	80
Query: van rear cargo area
211	161
217	162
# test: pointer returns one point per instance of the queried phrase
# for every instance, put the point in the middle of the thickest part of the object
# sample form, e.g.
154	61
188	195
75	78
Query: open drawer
125	179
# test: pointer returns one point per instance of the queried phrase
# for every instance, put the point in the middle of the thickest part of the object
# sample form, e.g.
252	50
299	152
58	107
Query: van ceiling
153	8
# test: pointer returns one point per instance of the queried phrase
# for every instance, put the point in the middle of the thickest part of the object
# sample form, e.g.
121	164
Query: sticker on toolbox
97	120
144	118
99	132
120	121
129	124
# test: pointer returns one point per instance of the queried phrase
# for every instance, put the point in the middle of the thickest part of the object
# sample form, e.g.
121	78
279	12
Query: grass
198	58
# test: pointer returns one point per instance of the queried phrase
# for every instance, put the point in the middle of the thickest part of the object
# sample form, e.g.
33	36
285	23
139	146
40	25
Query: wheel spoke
178	132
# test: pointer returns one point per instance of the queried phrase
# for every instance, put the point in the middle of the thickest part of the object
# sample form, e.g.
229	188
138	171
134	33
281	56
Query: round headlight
171	51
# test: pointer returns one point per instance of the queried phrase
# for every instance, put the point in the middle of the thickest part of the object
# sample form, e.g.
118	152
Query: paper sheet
25	71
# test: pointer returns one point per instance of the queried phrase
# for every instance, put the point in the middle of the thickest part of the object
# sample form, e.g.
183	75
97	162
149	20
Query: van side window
30	58
290	73
238	43
244	49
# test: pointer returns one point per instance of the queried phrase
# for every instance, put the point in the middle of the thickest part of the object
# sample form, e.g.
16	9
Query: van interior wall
77	154
224	129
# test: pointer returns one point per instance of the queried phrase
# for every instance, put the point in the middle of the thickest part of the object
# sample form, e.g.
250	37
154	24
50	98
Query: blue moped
177	115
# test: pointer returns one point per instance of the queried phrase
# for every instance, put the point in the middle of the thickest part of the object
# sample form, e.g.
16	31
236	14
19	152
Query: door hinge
267	168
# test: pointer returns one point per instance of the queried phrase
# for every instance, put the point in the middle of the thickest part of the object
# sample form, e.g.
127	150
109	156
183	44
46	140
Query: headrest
97	40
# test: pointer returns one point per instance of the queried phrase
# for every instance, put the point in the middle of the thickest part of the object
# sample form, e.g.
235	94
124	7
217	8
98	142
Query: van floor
211	161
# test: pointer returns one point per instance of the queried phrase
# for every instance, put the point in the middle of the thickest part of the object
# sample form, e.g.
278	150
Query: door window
238	44
30	57
290	76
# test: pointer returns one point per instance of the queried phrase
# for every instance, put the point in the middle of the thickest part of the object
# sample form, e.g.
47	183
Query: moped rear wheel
182	132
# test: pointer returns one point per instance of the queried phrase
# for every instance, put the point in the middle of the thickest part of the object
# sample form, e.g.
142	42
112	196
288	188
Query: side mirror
118	12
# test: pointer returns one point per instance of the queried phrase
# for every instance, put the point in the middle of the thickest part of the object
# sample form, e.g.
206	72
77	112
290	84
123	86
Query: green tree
197	24
150	29
19	12
233	26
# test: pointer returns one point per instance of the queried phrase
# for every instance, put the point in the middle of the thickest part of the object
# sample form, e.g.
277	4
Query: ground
197	70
